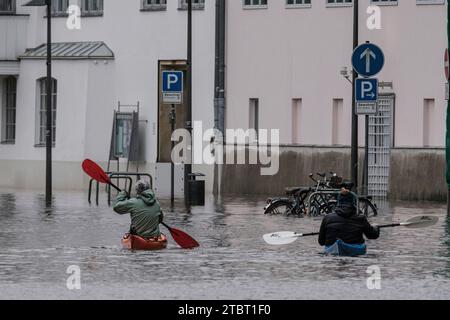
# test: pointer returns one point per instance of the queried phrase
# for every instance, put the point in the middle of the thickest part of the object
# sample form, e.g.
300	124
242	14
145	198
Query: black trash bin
197	189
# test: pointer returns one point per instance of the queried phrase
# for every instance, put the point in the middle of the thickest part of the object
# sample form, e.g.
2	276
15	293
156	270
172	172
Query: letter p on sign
172	81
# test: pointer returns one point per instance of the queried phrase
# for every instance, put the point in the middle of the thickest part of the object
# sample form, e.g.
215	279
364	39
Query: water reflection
38	244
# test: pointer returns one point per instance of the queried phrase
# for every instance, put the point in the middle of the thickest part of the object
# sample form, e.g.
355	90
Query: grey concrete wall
416	174
296	163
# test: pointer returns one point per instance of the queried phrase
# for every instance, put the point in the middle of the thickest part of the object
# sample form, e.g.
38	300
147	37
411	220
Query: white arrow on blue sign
368	60
366	90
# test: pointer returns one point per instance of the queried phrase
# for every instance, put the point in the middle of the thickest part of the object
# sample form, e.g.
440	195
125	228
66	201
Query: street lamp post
354	152
48	131
188	120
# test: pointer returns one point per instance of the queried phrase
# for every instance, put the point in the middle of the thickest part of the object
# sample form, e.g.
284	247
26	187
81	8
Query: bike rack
120	176
127	175
332	192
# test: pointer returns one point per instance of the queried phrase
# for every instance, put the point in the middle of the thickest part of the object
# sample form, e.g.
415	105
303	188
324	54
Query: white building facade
114	57
289	55
285	63
284	70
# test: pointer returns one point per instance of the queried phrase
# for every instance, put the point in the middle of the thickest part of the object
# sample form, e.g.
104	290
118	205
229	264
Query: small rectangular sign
172	97
366	108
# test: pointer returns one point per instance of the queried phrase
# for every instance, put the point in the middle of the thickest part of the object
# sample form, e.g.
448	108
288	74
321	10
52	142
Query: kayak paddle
93	170
287	237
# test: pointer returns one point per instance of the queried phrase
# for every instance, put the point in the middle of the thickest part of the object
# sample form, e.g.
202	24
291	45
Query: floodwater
38	245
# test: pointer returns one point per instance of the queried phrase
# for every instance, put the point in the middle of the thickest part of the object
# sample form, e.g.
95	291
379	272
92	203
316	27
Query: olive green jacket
145	213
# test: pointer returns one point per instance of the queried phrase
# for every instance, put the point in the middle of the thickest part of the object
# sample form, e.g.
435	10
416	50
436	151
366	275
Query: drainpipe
219	84
188	115
447	140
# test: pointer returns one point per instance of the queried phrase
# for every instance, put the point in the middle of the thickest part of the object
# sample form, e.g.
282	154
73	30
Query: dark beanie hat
347	198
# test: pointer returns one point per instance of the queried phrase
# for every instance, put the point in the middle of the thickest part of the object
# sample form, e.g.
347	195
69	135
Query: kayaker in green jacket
145	211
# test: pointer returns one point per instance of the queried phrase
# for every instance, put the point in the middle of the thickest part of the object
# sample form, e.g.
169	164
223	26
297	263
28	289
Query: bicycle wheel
367	208
279	207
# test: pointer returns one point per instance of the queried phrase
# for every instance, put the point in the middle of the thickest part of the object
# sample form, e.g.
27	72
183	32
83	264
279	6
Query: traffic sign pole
354	151
367	61
172	165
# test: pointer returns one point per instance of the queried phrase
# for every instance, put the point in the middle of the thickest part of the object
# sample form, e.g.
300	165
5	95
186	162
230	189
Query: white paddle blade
421	222
281	238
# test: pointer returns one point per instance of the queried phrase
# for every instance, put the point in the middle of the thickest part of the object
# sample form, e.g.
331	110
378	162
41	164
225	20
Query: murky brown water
38	245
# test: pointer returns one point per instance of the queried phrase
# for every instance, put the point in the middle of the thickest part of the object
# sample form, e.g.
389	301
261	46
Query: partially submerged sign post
367	60
172	93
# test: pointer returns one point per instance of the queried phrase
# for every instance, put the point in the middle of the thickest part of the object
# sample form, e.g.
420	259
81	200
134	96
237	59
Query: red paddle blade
183	239
95	171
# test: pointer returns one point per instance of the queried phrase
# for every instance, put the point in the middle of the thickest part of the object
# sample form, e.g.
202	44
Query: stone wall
416	174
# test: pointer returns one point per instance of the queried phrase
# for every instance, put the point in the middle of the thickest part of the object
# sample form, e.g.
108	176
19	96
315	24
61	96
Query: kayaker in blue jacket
342	232
145	211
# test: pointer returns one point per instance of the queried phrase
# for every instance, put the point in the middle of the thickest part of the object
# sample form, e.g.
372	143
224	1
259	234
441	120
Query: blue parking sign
172	87
366	90
172	81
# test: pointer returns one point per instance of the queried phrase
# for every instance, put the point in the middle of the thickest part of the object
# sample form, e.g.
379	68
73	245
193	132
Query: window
384	2
9	110
7	6
255	4
155	5
430	2
254	117
92	7
42	111
428	112
298	4
337	122
296	120
339	3
59	7
196	4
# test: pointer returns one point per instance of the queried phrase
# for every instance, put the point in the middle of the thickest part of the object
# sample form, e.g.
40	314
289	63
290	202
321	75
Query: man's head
141	186
346	198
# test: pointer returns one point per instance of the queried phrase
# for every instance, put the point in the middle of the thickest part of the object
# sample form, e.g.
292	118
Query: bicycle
321	200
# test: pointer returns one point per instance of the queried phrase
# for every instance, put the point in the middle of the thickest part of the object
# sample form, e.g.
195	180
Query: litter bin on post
197	189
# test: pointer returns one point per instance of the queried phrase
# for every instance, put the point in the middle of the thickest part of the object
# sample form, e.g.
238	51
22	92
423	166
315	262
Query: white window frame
196	5
90	12
9	110
255	6
384	2
425	2
12	10
298	5
333	3
152	5
59	8
41	109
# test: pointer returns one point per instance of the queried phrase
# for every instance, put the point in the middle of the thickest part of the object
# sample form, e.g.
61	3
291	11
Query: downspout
447	139
219	86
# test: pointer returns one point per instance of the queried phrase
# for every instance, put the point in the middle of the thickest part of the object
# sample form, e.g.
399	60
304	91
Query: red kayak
132	242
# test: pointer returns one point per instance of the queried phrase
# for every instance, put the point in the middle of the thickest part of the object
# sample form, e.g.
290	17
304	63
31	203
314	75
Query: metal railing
118	176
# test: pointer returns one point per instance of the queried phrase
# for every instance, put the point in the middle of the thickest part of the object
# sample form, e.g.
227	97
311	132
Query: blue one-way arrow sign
366	90
368	60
